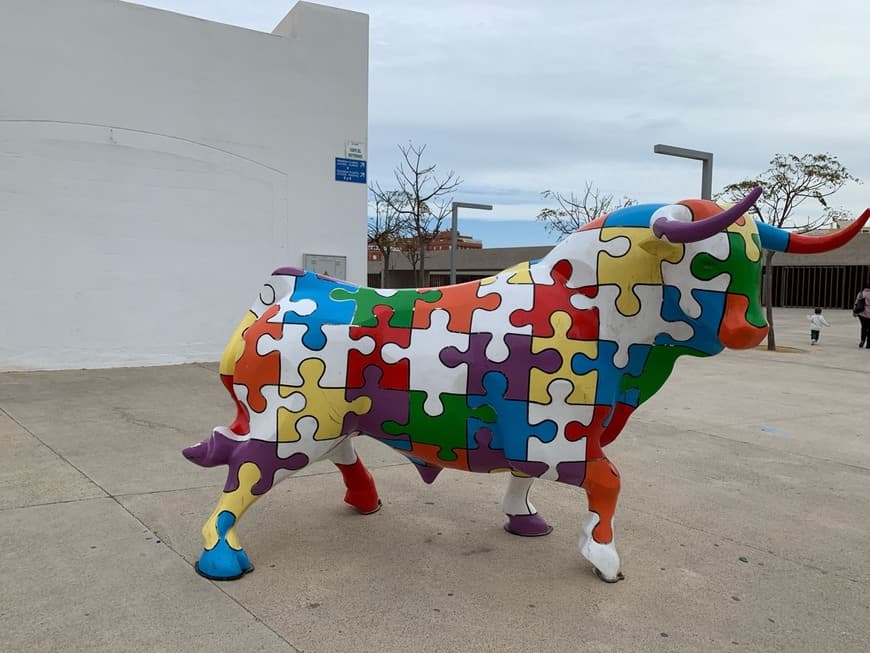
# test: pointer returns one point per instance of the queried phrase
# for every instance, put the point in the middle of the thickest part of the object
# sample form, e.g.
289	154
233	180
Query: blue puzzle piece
632	216
705	338
608	389
329	311
511	430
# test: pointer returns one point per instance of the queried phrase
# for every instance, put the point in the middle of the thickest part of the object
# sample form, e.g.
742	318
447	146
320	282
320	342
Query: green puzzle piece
744	273
658	367
402	302
447	430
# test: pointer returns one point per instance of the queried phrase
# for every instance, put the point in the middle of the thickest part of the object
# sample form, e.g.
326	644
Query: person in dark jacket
864	317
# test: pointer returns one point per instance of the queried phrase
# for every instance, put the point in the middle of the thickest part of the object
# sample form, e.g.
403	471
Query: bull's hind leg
523	519
601	482
361	491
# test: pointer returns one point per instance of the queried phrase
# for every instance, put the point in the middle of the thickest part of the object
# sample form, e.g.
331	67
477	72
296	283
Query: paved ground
744	524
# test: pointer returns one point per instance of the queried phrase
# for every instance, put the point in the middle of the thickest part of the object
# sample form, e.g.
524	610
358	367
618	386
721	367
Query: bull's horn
677	231
780	240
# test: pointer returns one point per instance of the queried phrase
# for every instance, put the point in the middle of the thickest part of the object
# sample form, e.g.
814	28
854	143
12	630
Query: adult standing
864	317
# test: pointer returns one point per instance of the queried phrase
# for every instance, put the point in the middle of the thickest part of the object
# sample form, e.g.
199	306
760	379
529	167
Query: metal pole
454	221
707	178
706	159
454	228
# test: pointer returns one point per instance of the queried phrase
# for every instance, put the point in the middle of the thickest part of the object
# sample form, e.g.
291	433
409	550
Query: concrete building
155	168
829	280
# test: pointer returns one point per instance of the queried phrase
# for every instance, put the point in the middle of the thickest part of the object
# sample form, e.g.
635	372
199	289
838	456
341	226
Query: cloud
517	97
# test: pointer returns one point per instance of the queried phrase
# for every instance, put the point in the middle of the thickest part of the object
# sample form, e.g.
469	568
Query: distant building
441	242
829	280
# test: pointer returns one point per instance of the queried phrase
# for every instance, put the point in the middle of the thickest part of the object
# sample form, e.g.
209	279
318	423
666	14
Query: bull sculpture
533	371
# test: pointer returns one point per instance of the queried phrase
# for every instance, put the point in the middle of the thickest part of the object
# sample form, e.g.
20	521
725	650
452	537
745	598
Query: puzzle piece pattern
534	369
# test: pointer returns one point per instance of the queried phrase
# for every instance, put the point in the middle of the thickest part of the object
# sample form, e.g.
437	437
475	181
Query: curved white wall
154	168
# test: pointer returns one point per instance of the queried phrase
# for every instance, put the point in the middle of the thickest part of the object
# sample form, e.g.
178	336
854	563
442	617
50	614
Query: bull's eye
675	212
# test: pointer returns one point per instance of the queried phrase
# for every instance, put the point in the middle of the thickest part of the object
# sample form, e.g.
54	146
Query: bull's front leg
601	482
523	519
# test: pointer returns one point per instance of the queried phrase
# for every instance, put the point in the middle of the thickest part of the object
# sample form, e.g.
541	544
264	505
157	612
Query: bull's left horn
677	231
780	240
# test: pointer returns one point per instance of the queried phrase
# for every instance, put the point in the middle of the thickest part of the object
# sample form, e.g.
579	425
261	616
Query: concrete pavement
754	456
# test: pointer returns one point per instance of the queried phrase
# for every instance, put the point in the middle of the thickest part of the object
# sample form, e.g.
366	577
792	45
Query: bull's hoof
366	502
528	525
223	563
602	555
619	576
367	509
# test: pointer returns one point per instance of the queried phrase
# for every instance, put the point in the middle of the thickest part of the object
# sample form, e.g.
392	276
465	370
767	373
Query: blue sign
350	170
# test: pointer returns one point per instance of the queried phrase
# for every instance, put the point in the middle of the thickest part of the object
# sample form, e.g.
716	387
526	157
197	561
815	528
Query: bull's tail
232	352
219	446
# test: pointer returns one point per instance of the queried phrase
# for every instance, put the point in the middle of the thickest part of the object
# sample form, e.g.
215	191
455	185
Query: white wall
154	168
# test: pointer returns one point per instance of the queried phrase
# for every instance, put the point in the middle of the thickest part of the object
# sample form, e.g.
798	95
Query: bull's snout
214	450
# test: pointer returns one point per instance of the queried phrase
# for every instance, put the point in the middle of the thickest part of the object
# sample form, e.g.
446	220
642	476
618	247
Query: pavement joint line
114	498
209	486
214	583
53	450
125	495
55	503
796	454
746	545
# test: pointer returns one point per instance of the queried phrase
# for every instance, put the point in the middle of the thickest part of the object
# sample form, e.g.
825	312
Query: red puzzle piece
396	376
553	297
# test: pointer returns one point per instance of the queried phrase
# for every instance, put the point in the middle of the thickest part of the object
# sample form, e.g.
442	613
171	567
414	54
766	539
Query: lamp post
454	211
706	159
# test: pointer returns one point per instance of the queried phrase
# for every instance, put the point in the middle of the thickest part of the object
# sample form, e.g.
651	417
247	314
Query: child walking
817	321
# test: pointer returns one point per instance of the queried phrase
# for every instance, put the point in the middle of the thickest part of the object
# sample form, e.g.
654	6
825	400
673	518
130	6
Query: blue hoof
223	562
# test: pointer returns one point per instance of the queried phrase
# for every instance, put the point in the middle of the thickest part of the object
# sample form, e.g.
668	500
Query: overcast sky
519	97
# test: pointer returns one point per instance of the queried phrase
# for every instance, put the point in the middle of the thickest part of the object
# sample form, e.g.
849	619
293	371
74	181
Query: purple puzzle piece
264	454
573	473
387	405
516	367
289	272
484	458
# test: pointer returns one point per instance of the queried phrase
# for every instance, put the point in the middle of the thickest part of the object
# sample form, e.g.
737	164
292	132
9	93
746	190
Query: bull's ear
661	248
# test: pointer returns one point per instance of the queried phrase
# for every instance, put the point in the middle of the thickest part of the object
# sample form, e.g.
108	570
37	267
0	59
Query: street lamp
706	159
454	210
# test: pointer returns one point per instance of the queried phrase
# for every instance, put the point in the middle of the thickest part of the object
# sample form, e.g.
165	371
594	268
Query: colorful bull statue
533	371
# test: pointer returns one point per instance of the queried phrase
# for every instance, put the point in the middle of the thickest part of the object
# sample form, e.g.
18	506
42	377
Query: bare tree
385	231
421	199
788	183
575	211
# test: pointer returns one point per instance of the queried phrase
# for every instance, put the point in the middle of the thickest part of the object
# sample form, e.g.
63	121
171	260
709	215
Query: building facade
155	168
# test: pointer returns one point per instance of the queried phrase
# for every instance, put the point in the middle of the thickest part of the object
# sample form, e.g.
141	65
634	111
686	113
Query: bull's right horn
780	240
677	231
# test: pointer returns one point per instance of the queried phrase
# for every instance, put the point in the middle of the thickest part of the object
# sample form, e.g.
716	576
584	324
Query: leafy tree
385	231
575	211
790	181
421	200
